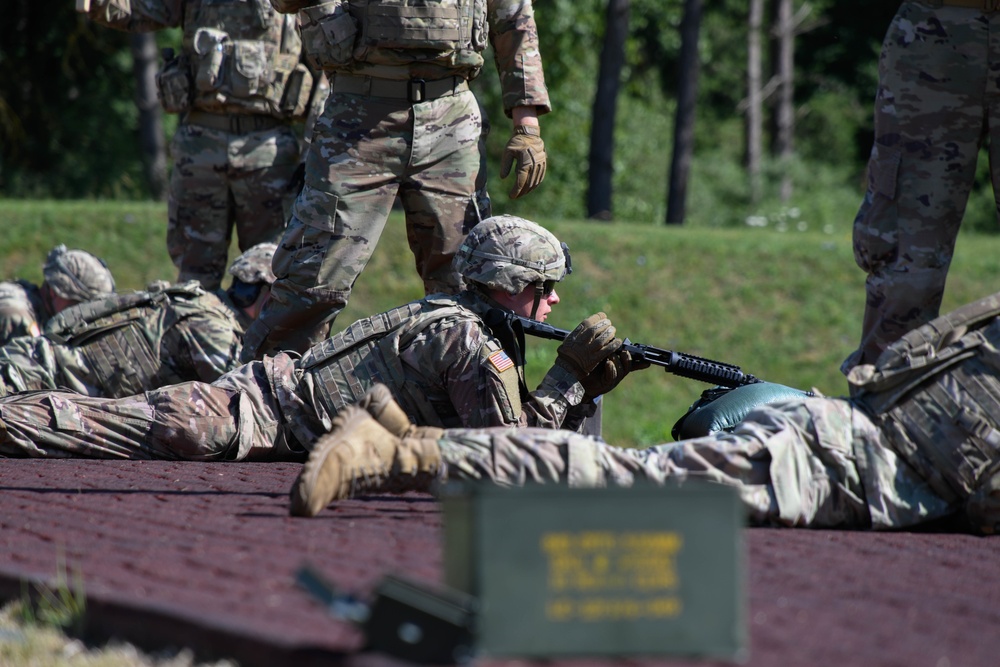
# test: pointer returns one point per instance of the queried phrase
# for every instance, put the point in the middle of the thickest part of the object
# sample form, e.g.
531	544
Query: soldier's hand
586	346
528	150
609	373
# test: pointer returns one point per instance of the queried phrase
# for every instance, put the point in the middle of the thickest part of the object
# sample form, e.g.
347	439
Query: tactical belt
235	124
412	90
984	5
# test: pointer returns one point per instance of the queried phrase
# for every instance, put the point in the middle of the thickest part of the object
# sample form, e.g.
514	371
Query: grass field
783	305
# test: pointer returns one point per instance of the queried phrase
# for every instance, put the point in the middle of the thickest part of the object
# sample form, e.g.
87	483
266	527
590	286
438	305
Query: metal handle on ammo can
678	363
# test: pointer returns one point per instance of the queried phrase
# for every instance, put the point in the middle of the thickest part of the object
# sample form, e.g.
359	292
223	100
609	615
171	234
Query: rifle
678	363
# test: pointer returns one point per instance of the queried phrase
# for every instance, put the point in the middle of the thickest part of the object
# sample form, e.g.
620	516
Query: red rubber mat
203	555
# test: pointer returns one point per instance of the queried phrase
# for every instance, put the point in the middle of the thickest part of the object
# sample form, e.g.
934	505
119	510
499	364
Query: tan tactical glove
609	373
527	147
586	346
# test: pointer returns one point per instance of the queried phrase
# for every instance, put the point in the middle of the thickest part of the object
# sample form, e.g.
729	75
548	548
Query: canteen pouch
328	33
210	46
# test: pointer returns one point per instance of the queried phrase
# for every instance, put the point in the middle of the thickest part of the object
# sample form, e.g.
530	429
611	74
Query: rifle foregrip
712	372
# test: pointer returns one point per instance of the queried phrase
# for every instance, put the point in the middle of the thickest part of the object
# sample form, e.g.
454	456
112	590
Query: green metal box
636	571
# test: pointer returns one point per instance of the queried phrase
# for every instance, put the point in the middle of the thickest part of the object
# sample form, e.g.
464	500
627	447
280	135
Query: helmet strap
539	292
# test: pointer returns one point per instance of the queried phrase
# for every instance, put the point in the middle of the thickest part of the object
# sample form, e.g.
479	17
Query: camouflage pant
933	108
235	418
221	181
816	462
365	152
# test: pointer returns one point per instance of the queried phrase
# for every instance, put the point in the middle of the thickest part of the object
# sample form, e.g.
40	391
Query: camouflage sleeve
514	37
558	392
482	382
137	15
451	358
202	346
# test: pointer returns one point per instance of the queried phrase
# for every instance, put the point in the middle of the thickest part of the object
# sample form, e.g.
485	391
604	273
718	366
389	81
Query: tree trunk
602	127
754	118
687	94
785	117
152	143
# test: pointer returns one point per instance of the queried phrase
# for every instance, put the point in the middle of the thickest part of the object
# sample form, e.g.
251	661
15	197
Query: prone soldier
132	342
449	360
918	441
70	277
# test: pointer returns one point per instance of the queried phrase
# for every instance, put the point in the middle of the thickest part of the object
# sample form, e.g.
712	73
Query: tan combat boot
360	456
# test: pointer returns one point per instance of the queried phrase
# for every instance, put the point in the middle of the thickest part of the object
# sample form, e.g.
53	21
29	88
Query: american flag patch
501	361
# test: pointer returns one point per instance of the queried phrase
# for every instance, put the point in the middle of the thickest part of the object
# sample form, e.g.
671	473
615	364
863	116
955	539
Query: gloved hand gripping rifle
678	363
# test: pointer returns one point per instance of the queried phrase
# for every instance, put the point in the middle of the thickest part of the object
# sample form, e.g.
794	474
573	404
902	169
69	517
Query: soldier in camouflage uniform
132	342
918	441
70	277
238	85
933	111
400	121
449	360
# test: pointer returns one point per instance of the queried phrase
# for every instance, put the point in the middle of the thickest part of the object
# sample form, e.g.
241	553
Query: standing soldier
400	120
934	109
132	342
70	277
237	84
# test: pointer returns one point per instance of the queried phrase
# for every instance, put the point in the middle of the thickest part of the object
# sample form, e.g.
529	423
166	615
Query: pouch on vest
249	68
210	45
297	92
328	33
173	84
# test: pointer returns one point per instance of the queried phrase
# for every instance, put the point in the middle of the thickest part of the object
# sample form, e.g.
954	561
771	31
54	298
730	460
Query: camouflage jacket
426	39
237	56
151	339
22	311
444	365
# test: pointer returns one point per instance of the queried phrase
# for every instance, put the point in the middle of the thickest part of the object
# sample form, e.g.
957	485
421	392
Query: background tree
152	140
602	127
687	97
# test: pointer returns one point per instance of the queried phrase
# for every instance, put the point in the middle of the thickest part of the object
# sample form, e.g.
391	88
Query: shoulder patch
500	361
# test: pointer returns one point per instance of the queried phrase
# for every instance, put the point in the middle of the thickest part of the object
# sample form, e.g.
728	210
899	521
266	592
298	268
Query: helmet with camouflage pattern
77	275
254	265
509	253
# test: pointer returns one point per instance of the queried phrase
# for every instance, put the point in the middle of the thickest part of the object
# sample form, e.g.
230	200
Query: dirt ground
204	556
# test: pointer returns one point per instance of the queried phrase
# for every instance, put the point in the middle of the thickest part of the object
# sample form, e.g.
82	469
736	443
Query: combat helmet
254	265
77	275
509	253
251	273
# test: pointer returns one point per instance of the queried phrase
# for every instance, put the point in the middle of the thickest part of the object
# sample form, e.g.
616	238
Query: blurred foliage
68	126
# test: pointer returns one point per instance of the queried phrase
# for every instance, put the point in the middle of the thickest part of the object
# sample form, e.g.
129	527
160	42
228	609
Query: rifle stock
678	363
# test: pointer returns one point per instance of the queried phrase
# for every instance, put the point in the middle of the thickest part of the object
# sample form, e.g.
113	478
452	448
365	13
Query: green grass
783	305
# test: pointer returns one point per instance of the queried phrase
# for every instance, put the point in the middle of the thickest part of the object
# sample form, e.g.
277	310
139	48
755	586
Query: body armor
120	336
238	57
936	395
383	38
345	366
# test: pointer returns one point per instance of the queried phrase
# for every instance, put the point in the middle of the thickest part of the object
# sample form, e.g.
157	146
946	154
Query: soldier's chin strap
539	293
